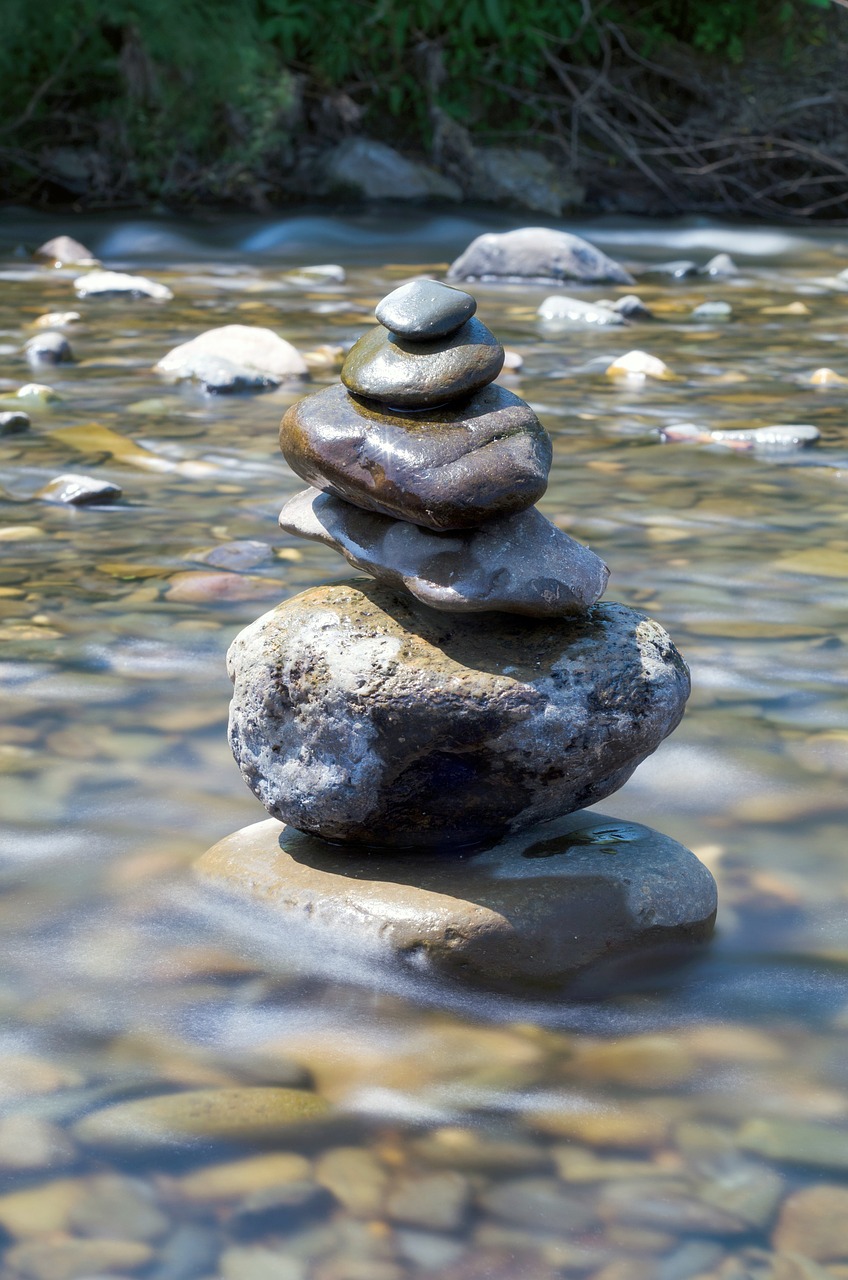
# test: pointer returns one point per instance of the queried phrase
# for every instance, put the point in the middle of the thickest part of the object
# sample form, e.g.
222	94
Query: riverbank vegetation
728	106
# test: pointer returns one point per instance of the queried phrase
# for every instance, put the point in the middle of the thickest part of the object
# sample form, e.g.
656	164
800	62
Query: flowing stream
685	1126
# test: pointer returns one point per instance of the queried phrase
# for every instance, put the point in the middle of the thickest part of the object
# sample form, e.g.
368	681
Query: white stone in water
638	365
103	283
518	564
789	436
564	312
713	310
238	355
79	491
827	378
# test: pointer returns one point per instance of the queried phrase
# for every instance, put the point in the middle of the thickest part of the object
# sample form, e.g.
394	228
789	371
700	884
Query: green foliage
198	95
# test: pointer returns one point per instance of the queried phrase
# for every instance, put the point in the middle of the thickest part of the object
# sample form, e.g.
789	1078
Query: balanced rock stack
469	689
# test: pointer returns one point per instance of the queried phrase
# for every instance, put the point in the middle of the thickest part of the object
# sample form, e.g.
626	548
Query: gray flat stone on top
417	375
537	910
536	254
362	716
518	564
425	309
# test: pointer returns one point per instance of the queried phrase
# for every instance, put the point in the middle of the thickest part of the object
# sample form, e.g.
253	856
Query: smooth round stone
235	357
538	254
104	284
425	309
452	468
239	1115
517	564
538	909
362	716
65	251
416	375
48	348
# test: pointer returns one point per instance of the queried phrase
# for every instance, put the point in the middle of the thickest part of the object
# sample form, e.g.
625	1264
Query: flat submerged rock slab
518	564
539	909
361	715
453	467
411	374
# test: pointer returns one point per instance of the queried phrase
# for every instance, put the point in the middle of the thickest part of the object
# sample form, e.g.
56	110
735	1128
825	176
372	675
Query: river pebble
638	365
77	1259
104	284
243	1115
238	1178
65	251
539	1203
73	490
812	1222
115	1207
48	348
13	423
30	1143
356	1178
796	1142
438	1201
255	1262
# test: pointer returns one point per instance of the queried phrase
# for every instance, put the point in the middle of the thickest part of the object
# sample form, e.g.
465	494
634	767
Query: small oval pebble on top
425	309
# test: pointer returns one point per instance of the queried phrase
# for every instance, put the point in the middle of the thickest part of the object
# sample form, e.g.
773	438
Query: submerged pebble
240	1115
79	491
14	423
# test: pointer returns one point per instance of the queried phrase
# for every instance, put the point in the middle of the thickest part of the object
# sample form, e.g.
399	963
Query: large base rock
585	894
361	715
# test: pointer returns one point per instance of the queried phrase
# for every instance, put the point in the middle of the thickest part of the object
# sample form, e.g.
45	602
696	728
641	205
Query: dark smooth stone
13	423
517	564
536	254
360	715
417	375
425	309
584	898
452	468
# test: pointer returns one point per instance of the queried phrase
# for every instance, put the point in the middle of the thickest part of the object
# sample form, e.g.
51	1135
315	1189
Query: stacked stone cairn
471	687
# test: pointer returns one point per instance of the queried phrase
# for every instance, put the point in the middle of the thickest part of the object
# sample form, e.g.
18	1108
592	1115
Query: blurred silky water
186	1093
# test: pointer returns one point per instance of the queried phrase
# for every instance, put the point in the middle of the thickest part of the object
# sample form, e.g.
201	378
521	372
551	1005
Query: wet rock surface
417	375
536	254
364	716
448	468
517	564
425	310
535	911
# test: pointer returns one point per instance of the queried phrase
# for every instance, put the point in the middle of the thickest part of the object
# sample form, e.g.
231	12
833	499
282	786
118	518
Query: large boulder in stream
536	254
361	715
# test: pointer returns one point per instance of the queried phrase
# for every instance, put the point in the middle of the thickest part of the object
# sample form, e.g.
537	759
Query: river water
694	1125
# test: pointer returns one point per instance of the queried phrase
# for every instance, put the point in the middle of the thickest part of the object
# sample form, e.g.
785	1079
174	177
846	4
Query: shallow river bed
689	1124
